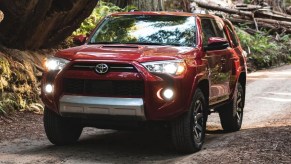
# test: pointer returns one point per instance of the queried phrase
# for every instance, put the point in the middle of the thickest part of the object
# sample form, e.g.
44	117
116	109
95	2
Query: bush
265	50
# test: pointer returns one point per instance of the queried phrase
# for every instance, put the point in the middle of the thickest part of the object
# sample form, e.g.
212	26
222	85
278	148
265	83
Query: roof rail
200	12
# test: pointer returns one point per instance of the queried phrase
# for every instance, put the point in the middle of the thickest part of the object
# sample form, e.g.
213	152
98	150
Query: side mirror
79	39
216	43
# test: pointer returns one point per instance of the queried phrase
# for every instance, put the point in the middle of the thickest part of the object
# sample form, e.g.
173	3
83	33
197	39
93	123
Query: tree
277	5
33	24
144	5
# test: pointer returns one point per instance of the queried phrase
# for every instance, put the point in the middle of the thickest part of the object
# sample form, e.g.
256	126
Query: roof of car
161	13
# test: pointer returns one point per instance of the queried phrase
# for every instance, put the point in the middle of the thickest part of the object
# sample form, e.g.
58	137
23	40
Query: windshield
147	29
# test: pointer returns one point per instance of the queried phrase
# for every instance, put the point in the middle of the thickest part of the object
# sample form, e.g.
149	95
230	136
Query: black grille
103	87
112	67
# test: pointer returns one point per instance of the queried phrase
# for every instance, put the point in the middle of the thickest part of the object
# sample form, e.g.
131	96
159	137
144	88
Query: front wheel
231	114
61	130
188	131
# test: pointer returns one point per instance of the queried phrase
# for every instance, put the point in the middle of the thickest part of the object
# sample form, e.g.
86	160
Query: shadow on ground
264	144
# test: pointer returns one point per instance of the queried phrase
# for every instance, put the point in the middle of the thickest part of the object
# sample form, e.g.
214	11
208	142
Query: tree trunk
143	5
203	4
155	5
274	27
288	10
33	24
277	5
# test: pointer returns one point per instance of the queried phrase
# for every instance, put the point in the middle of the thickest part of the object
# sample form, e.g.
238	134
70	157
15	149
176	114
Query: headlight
54	63
173	67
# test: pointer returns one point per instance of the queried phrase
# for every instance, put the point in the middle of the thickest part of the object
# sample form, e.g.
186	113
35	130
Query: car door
237	59
218	61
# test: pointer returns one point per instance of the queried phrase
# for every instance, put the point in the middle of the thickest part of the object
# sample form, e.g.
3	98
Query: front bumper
108	106
147	106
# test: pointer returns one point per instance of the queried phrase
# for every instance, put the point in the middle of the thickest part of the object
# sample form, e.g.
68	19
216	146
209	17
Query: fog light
49	88
168	93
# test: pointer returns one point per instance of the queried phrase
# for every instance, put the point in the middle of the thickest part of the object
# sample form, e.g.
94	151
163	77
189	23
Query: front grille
103	87
112	67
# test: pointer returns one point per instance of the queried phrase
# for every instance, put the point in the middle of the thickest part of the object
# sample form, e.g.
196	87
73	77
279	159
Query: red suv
147	68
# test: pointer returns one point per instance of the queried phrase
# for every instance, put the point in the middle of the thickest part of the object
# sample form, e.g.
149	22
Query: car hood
124	52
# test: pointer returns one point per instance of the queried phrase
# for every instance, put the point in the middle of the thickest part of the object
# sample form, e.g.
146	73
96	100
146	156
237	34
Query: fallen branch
223	9
271	15
246	7
265	25
263	12
271	21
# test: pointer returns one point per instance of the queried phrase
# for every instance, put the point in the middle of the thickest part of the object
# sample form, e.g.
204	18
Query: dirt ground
265	136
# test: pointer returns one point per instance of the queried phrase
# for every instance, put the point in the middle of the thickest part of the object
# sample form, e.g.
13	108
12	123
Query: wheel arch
242	80
204	86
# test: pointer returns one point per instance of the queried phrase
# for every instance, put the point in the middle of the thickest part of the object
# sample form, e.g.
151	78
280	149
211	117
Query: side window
232	34
218	26
207	29
211	28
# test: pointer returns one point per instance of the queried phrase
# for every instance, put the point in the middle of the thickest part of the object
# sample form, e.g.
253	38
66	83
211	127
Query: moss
4	67
5	73
19	87
8	102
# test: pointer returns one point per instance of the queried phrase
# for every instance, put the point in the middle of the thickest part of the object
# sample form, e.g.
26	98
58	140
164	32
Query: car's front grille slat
103	87
113	67
84	66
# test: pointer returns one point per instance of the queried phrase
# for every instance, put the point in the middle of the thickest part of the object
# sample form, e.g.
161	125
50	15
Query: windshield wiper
160	44
105	43
145	43
176	44
142	43
150	43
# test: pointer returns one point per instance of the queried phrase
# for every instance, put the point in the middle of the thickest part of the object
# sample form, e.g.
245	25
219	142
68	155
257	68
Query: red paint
198	63
215	40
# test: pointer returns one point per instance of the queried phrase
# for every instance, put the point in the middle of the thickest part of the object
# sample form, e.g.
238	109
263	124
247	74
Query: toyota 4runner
140	68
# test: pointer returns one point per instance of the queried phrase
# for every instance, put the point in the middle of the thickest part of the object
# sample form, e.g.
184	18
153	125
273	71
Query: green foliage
247	1
5	73
17	86
101	10
265	50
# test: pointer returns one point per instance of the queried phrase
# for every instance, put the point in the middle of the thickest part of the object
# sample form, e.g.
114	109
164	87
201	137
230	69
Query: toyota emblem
101	68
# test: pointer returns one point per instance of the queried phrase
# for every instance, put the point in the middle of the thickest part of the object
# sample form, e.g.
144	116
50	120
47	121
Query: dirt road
264	138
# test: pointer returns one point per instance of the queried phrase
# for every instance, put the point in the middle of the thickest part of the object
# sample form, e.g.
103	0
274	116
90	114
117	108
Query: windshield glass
147	29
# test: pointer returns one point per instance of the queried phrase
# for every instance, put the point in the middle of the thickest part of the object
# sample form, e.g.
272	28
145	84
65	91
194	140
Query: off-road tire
61	130
231	114
184	138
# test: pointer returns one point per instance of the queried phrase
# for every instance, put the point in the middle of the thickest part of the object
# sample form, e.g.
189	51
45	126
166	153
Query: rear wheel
61	130
231	114
188	132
